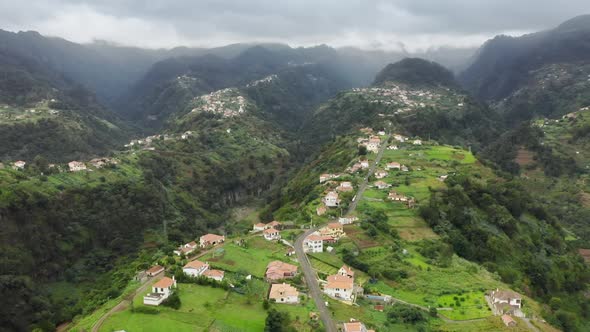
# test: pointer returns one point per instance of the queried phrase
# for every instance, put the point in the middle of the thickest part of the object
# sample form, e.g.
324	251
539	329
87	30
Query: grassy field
203	308
252	259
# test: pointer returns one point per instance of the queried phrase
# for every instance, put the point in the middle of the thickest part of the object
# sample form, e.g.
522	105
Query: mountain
505	64
45	113
417	72
418	97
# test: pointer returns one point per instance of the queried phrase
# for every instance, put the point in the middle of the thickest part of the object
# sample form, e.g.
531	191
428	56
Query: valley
269	188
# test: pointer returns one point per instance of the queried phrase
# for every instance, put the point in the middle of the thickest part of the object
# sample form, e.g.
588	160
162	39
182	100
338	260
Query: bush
146	310
173	301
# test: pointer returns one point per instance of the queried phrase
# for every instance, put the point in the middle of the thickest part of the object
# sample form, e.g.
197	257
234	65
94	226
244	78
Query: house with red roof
161	290
208	240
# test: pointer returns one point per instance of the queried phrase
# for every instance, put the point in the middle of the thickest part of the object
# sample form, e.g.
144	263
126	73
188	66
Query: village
263	266
404	99
227	102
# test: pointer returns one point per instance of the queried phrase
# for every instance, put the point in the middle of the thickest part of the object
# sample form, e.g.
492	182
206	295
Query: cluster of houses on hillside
265	80
207	240
227	102
329	234
146	142
270	231
73	166
405	99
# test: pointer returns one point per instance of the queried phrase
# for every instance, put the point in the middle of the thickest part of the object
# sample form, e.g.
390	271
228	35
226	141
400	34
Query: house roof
196	264
348	270
260	224
507	319
211	237
506	295
270	231
278	269
214	273
281	290
353	327
393	163
332	194
164	283
313	237
274	223
155	269
380	183
192	244
338	281
335	225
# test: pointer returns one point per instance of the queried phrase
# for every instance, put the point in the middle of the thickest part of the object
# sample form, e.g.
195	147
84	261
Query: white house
154	270
214	274
195	268
382	185
283	293
355	326
393	165
392	147
399	138
373	145
340	287
347	220
326	176
364	164
271	234
161	290
506	301
76	166
380	174
346	271
345	186
19	164
331	199
417	142
313	243
186	248
259	226
211	240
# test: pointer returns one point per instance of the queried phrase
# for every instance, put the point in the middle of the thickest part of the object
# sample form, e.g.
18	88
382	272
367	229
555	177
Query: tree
278	321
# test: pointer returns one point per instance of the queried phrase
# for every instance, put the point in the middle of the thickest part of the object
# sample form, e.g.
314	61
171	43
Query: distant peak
416	71
581	22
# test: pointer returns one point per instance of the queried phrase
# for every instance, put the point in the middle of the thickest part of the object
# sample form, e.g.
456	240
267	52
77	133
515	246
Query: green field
252	259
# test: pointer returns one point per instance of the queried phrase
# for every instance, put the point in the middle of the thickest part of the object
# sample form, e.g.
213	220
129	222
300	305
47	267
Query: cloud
381	24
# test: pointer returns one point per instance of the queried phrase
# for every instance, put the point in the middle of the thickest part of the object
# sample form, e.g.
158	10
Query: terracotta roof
335	225
211	237
270	231
214	273
196	264
155	269
507	319
192	244
585	253
278	270
338	281
348	270
164	283
274	223
353	327
313	237
260	224
506	295
282	290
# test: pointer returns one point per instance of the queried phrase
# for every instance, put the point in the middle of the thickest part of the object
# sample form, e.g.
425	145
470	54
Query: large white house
506	301
195	268
76	166
313	243
161	290
271	234
283	293
211	240
340	287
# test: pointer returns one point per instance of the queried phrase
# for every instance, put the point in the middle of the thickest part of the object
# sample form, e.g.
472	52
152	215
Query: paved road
311	279
363	185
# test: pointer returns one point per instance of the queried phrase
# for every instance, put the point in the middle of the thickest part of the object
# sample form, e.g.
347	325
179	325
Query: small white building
19	164
161	290
195	268
380	174
271	234
417	142
214	274
382	185
259	227
313	243
331	199
393	165
76	166
347	220
364	164
283	293
211	240
505	301
186	248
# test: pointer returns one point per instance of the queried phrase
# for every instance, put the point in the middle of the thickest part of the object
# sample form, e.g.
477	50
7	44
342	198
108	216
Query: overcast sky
369	24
